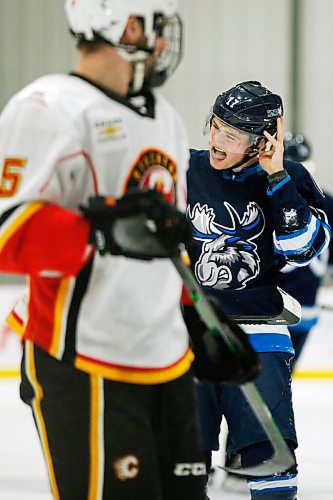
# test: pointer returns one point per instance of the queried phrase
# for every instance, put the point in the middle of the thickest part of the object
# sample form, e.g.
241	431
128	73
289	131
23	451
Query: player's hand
140	225
215	361
272	161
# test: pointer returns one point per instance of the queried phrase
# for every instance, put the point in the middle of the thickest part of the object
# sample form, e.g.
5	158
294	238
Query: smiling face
227	145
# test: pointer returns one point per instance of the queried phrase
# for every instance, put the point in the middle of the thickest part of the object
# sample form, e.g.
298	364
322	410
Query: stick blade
290	315
279	462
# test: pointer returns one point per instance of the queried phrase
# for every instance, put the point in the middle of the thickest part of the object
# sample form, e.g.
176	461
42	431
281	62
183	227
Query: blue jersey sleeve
301	228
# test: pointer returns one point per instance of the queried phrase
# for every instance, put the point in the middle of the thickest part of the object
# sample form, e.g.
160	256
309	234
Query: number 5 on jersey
11	176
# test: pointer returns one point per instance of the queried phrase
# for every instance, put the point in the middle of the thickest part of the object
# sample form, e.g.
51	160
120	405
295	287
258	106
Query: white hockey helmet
93	20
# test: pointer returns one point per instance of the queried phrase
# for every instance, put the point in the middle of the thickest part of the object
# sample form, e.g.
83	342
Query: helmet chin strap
138	77
137	59
241	164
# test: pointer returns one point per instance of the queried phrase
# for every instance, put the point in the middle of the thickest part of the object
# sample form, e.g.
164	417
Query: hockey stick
290	314
281	459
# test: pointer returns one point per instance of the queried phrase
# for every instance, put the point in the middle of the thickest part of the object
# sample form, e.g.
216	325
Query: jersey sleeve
328	206
45	239
37	233
301	228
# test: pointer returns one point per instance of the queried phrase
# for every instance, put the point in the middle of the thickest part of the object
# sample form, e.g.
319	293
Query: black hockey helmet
296	147
249	107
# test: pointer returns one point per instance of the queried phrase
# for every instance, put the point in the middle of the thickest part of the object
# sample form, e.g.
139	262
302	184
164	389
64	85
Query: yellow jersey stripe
16	325
131	375
59	317
96	435
31	372
18	220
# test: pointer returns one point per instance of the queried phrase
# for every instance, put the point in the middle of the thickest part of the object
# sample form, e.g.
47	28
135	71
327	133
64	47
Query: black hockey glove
214	360
140	225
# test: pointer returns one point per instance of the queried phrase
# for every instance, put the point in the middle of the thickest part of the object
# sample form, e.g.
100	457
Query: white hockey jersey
63	139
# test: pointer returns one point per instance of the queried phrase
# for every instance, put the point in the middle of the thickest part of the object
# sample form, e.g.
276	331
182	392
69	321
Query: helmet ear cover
255	146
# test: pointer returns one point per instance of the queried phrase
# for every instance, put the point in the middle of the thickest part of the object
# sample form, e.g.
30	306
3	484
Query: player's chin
218	163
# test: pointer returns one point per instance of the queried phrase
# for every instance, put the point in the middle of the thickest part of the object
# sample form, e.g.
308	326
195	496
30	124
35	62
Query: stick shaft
282	458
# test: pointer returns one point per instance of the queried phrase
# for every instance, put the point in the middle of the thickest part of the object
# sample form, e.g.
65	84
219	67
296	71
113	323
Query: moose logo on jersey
154	170
228	256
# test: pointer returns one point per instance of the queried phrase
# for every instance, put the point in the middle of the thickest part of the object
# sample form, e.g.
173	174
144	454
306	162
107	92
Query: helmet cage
94	20
168	61
171	29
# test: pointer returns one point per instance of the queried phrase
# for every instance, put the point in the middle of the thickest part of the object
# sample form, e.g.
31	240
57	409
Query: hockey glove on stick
140	225
215	360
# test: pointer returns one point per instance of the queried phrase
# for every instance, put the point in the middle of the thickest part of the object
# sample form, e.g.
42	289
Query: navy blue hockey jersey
245	232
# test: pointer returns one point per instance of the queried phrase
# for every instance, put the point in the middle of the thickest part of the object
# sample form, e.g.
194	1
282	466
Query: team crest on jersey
126	467
228	256
154	170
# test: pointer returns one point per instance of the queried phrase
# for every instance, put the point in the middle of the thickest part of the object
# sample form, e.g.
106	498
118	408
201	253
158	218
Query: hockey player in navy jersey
251	212
303	282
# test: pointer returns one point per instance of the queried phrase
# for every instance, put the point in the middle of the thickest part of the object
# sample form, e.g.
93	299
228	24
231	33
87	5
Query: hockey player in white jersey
92	191
106	354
